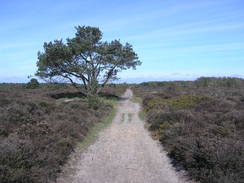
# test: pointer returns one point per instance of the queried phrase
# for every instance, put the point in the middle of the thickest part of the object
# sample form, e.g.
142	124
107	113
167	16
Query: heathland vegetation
200	124
41	124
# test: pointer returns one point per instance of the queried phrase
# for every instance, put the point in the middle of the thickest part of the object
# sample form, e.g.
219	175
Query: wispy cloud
142	17
198	48
192	28
174	39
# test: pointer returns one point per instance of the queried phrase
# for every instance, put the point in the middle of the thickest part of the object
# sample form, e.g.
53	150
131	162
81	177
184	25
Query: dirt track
123	153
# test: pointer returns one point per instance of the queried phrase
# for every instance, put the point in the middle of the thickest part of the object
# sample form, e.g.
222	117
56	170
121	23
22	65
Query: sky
174	39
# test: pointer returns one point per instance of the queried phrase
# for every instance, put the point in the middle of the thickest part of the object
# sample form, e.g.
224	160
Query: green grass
93	133
137	99
147	126
142	115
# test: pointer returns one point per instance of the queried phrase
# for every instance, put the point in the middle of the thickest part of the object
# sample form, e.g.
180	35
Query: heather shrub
200	125
38	131
185	101
209	159
94	102
15	160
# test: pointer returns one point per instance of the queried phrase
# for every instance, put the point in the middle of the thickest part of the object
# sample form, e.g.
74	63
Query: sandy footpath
123	153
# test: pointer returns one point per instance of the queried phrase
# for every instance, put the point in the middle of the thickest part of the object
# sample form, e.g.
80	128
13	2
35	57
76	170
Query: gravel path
123	153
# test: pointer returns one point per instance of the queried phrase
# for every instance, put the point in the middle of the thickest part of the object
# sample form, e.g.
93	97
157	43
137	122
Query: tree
33	83
86	58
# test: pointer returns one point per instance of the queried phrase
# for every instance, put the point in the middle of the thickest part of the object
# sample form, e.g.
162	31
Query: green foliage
33	83
154	103
160	128
185	101
175	102
228	82
94	101
86	58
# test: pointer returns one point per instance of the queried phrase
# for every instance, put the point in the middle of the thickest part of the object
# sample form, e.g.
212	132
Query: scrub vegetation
41	124
200	124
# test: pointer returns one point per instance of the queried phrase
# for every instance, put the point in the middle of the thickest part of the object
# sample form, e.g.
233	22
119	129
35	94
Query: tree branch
109	75
81	76
72	82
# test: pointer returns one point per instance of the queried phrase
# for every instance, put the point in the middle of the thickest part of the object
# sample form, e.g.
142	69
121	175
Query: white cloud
185	29
142	16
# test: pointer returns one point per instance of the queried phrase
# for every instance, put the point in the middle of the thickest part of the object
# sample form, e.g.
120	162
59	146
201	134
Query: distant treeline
229	82
33	85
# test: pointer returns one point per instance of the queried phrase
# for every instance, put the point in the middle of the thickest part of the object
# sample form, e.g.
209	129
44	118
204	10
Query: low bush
200	127
33	83
39	131
94	101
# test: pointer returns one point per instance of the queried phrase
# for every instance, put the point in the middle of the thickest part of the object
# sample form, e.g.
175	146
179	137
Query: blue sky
175	39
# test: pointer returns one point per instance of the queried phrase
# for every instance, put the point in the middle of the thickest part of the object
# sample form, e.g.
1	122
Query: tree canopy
86	58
